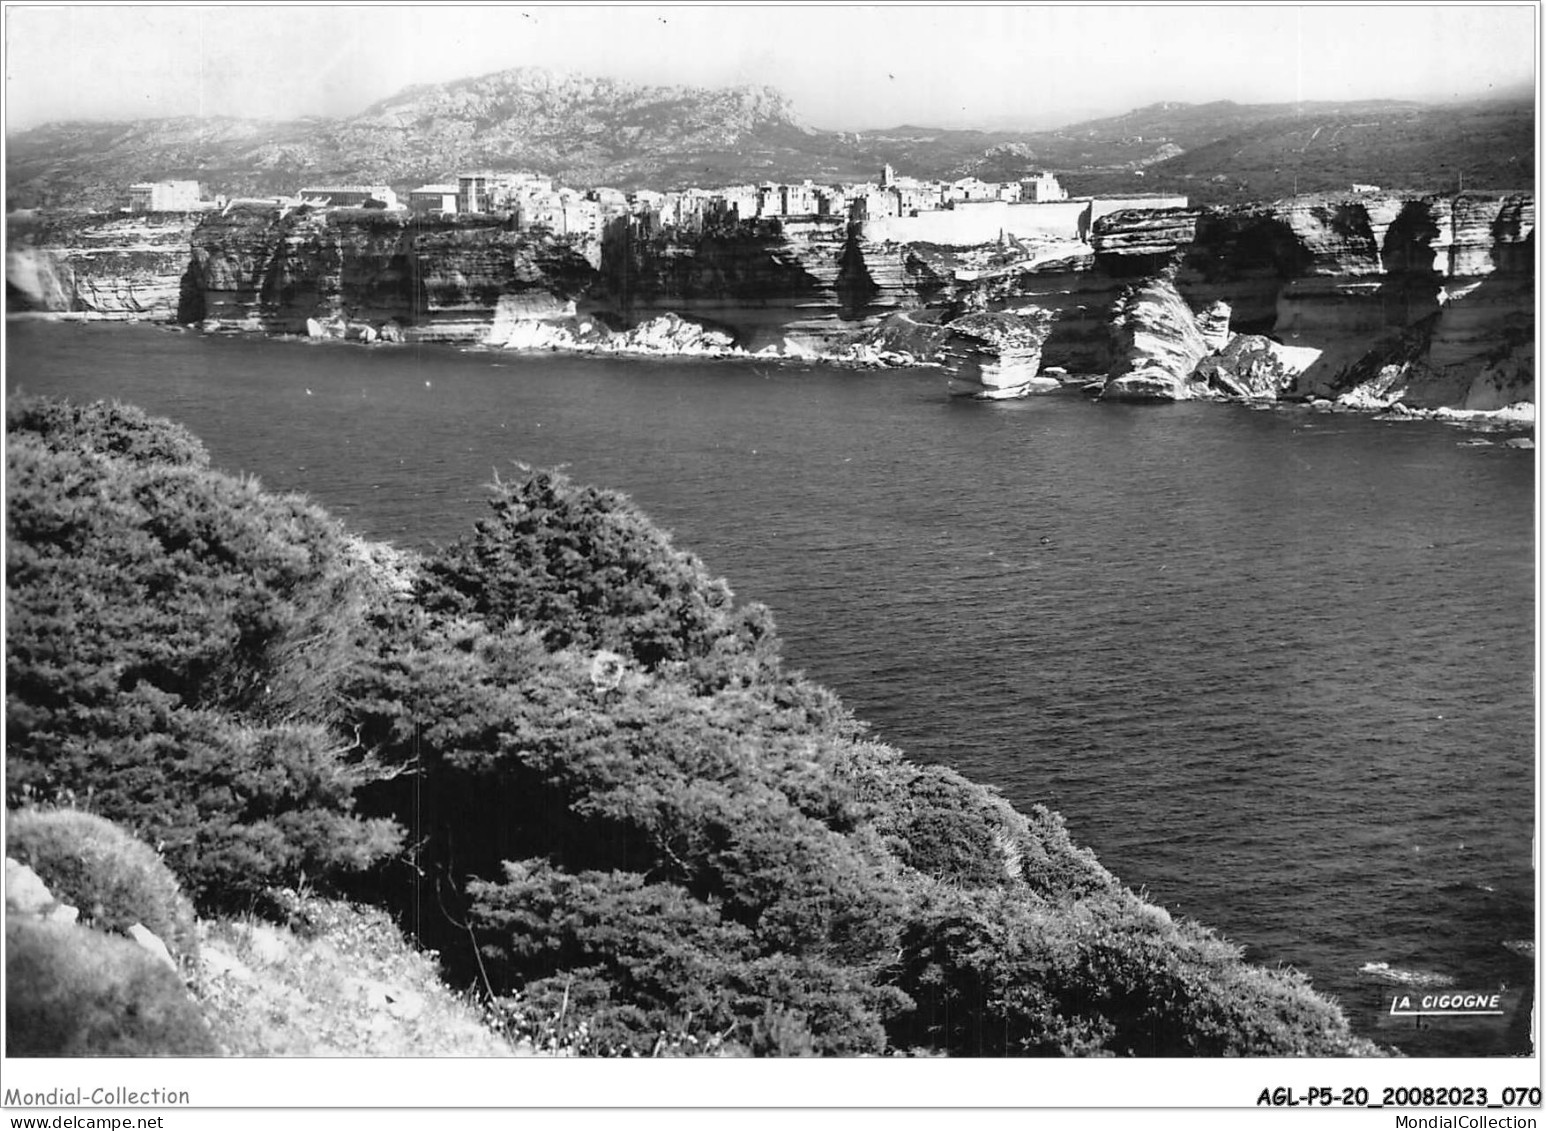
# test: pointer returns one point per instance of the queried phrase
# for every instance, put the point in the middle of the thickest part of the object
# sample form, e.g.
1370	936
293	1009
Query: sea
1276	667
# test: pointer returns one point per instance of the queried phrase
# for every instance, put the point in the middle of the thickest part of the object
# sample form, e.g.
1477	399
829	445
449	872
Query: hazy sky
848	67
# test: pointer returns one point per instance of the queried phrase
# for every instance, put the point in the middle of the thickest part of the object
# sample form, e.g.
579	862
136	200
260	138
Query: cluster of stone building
962	212
534	201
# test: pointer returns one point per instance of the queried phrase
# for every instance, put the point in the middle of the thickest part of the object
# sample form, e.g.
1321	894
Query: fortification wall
970	225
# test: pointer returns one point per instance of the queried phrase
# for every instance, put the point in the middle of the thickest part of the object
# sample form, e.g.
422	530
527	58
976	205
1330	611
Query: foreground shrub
107	428
183	580
236	809
956	830
1108	975
521	754
647	966
587	570
72	991
176	642
112	879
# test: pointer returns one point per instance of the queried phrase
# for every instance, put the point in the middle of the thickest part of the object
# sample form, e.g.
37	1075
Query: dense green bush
235	808
656	965
520	753
951	828
112	879
176	644
72	991
184	580
719	785
588	571
240	808
110	428
993	975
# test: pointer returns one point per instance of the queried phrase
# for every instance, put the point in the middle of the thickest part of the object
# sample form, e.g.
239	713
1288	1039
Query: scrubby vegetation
570	763
113	880
336	979
174	644
73	991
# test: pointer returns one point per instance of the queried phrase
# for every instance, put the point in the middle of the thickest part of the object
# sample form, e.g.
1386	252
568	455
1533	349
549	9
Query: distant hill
1265	152
594	131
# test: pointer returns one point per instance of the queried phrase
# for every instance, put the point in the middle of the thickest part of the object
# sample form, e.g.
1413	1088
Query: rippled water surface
1276	668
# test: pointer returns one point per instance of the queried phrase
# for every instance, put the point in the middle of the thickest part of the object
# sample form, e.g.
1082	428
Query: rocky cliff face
1440	287
805	285
1374	299
451	279
1250	367
1065	282
754	280
808	283
1132	237
1481	340
115	267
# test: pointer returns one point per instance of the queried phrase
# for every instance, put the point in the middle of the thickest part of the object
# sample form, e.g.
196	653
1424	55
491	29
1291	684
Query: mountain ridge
589	131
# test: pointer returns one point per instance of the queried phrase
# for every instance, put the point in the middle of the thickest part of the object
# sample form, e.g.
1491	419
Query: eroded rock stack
997	354
1158	345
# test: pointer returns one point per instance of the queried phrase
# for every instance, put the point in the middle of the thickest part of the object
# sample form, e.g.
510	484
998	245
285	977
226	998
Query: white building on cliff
1042	188
164	196
432	200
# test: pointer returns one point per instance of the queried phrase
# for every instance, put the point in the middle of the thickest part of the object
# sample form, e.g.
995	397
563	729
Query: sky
843	66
